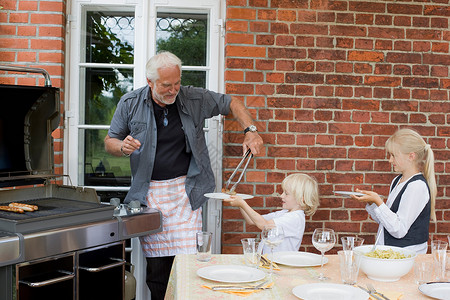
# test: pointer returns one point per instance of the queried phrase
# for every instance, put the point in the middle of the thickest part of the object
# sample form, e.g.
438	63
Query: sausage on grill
12	209
23	206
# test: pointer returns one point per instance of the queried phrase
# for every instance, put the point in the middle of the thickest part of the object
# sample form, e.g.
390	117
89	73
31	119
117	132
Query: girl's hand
369	197
235	200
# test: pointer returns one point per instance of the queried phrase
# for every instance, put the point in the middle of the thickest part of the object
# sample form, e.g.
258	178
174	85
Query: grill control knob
115	202
135	206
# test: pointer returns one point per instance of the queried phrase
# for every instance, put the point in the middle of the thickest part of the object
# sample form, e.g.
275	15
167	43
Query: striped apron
179	222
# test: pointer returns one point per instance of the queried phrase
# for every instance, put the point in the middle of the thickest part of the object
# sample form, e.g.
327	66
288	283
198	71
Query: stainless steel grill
72	244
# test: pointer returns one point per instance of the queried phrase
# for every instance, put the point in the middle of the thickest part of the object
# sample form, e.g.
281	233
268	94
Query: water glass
204	240
423	272
349	262
439	252
252	249
350	242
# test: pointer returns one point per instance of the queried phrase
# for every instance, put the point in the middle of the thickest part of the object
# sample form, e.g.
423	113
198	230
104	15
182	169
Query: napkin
264	262
393	295
238	292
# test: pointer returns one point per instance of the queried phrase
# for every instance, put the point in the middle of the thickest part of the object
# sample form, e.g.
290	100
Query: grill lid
28	117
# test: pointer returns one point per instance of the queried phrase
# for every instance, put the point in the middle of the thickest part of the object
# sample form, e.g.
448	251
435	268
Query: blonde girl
300	197
405	217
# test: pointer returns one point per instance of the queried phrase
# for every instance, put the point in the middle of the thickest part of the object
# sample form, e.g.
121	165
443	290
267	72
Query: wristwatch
251	128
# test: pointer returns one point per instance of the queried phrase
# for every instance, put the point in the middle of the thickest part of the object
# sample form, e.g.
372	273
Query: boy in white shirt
300	197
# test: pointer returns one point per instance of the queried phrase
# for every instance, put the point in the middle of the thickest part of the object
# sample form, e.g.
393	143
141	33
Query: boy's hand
235	200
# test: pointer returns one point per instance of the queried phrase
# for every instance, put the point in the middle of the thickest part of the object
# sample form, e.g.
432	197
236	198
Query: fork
233	287
374	291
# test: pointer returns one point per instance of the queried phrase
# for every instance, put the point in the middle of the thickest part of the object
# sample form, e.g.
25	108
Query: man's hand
129	144
253	141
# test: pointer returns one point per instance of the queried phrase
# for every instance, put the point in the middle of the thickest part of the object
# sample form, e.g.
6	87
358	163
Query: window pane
104	87
101	168
194	78
185	35
110	37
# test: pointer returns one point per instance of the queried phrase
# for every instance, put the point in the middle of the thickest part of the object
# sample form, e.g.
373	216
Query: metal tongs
248	155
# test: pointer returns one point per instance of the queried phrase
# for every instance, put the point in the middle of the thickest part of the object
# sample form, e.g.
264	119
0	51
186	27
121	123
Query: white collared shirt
414	199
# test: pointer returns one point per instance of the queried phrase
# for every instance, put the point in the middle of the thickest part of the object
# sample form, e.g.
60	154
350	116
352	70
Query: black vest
419	230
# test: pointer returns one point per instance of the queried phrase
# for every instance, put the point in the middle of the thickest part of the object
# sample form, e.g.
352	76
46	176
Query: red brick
239	38
364	44
244	51
289	4
241	13
264	64
265	39
29	5
325	16
259	27
424	34
285	40
345	18
237	63
267	14
233	25
285	65
439	47
383	20
258	3
26	57
37	18
287	15
324	67
383	45
403	9
234	75
386	33
285	89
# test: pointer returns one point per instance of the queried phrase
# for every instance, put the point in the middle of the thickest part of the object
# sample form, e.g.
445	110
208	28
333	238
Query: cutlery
373	290
248	155
370	293
375	245
236	287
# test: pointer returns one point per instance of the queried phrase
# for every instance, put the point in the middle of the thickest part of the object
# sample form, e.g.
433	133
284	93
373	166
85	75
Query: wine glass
323	240
272	236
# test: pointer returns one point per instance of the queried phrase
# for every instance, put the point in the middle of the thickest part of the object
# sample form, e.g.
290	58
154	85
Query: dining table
185	283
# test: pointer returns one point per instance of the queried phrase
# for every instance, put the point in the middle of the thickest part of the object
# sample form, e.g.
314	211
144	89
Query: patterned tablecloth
184	283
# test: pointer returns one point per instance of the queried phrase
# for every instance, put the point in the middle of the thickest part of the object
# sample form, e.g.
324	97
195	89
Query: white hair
161	60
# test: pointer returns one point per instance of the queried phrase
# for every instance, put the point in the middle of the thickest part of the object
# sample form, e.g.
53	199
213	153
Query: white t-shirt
293	224
413	201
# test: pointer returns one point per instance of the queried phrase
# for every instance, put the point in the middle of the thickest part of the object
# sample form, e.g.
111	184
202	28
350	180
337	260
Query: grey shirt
134	116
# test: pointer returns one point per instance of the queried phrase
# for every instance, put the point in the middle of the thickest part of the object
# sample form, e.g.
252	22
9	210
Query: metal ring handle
105	267
68	276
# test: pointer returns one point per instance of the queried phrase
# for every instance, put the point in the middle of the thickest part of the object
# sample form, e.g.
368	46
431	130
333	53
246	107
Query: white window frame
145	47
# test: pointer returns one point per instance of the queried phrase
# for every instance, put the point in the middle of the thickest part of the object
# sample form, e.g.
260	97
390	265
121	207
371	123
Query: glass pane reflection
101	168
104	87
194	78
185	35
110	37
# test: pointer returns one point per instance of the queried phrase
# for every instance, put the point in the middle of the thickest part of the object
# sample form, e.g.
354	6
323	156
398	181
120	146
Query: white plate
226	196
325	291
298	259
437	290
347	194
231	273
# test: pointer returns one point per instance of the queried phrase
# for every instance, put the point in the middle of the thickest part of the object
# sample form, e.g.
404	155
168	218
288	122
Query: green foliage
187	41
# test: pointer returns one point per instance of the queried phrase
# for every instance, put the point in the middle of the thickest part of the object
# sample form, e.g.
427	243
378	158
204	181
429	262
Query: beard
162	98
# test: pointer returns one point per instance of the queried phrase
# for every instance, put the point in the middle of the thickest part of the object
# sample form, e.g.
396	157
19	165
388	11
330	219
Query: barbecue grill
73	246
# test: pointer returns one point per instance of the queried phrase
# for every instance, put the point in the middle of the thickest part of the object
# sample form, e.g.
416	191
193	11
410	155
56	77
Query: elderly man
160	126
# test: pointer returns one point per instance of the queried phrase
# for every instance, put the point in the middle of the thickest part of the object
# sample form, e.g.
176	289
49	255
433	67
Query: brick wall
328	82
32	34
